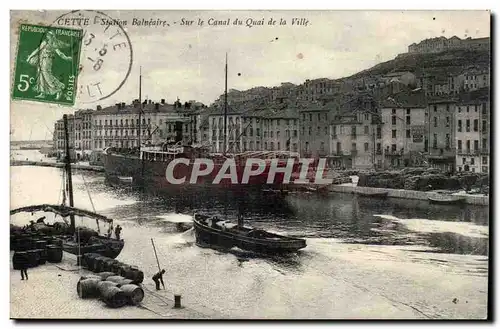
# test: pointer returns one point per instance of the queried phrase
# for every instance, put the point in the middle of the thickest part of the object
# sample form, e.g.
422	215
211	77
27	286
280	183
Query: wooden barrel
114	297
108	264
105	275
88	288
99	264
41	244
124	282
54	254
115	278
89	260
133	274
43	256
134	293
33	257
116	267
103	285
90	276
20	260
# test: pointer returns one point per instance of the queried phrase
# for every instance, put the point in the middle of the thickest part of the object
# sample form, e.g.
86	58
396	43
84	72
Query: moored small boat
446	199
213	232
373	194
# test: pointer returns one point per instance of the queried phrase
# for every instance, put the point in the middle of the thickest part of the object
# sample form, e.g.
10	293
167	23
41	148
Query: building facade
441	134
473	132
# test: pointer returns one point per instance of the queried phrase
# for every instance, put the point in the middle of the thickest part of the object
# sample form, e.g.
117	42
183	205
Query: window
467	144
319	117
394	133
279	147
484	169
448	107
322	147
435	108
435	121
408	133
366	147
353	147
485	160
472	162
258	132
353	131
393	111
407	111
476	145
278	134
295	133
393	120
467	108
484	109
447	121
379	148
484	143
459	126
366	130
393	148
326	131
435	141
408	120
476	125
459	168
379	132
310	131
467	125
448	141
319	131
485	126
464	161
459	145
310	117
334	131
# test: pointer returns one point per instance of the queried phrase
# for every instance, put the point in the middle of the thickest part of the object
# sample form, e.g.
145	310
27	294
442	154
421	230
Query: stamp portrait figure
42	57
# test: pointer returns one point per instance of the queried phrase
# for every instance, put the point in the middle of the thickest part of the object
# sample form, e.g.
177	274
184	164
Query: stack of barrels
97	264
33	249
115	291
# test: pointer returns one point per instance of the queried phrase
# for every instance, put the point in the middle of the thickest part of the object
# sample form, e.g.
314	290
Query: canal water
366	258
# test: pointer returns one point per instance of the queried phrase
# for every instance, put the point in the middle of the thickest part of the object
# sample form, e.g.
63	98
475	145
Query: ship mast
140	108
68	171
225	111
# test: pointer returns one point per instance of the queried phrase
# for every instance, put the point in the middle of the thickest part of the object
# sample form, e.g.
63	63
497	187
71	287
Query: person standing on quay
22	263
118	230
157	278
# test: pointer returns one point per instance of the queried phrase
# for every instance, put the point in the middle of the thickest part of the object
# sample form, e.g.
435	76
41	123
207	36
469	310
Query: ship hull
214	238
153	175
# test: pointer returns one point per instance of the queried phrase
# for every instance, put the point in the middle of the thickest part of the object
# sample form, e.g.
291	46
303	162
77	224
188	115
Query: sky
187	61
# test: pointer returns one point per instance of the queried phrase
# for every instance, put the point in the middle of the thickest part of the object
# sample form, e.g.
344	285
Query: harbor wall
406	194
55	165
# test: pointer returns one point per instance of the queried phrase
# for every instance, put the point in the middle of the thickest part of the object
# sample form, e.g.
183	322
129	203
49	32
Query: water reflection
348	217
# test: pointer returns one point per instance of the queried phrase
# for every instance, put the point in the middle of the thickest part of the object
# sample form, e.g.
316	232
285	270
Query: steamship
148	165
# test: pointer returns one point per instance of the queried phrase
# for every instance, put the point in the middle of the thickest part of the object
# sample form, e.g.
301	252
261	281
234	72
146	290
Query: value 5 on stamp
47	64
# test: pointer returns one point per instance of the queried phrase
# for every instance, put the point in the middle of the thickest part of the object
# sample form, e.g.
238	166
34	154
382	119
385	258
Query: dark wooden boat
380	195
75	240
215	233
446	199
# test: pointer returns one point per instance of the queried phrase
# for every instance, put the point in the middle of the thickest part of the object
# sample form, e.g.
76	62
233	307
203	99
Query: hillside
451	60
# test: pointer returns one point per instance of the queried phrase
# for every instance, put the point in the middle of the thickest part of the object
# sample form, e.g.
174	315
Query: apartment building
473	132
441	133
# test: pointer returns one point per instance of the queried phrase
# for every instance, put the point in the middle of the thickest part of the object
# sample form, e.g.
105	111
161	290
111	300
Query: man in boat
110	231
157	278
118	230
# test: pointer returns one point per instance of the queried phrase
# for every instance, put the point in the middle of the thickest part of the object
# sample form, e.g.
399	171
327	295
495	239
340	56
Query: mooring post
177	299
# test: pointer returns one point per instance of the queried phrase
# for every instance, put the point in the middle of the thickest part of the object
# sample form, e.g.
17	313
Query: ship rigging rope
91	202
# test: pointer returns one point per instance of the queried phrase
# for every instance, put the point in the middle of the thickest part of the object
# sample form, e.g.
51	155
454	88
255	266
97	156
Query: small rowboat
373	194
446	199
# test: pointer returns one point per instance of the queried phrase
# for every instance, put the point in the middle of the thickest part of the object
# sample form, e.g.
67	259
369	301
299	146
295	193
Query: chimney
117	105
149	101
163	101
157	106
123	105
99	107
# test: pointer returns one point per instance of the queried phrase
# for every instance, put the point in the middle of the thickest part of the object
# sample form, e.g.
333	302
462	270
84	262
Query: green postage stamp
47	64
